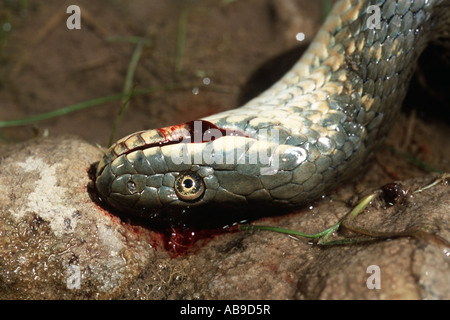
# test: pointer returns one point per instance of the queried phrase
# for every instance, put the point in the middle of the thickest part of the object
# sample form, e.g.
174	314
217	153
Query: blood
196	131
176	237
162	229
181	240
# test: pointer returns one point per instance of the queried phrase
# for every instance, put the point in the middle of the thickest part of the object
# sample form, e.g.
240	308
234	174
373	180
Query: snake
315	128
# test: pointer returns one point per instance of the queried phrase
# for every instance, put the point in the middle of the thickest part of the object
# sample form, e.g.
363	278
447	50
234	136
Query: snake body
314	128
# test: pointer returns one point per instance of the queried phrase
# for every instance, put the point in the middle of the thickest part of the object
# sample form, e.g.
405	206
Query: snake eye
189	186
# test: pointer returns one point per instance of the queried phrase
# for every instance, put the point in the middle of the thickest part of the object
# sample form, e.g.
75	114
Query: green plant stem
325	234
61	112
288	231
415	161
181	39
91	103
127	88
326	5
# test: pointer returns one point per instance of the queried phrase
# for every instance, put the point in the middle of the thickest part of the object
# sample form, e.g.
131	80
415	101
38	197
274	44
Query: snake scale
314	128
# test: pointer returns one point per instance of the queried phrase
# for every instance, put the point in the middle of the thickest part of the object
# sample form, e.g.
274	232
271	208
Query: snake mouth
196	131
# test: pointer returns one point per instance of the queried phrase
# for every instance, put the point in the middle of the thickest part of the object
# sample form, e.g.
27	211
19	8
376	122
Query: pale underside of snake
313	129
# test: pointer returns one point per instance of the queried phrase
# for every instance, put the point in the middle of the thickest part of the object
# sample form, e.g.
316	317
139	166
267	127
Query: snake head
146	179
169	167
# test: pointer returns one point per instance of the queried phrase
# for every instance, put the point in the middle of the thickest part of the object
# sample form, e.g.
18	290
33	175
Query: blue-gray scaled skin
310	131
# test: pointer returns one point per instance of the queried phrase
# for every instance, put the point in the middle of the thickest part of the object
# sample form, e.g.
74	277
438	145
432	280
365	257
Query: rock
58	243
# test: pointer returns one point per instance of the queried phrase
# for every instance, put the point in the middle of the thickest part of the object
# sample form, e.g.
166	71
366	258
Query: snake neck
356	72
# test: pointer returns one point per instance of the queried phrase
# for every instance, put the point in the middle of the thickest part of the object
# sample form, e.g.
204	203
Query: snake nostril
131	186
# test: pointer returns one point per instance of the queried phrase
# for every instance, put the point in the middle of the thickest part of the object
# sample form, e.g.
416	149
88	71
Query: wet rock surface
58	243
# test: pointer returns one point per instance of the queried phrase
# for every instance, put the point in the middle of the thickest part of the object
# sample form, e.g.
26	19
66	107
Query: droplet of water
206	80
300	36
447	252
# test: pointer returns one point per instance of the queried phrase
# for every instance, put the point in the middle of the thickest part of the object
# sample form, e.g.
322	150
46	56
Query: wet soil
46	66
